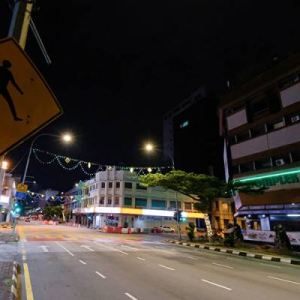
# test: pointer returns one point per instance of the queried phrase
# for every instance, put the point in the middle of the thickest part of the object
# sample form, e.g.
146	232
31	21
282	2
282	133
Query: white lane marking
84	263
44	248
229	267
130	296
218	285
270	266
289	281
193	258
141	258
101	275
111	248
87	247
134	249
59	244
169	252
162	266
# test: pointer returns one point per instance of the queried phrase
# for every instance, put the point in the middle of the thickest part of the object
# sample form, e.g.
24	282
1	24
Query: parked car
167	229
27	219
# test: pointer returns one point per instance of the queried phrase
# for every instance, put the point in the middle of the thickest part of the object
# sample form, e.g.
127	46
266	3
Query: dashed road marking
59	244
168	268
270	266
130	296
101	275
141	258
193	258
84	263
111	248
218	285
280	279
224	266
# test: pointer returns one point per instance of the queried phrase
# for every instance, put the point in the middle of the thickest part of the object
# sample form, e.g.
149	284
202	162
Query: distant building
191	135
116	198
260	122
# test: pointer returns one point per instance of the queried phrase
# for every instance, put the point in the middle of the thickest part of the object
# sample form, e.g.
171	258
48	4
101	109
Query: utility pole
20	21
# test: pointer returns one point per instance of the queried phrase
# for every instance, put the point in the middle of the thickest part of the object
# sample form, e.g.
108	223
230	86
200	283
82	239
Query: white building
116	198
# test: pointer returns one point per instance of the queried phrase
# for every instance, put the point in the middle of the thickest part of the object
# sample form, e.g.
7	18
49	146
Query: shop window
263	163
139	202
118	184
296	156
242	136
117	200
173	204
257	131
128	201
188	206
159	203
101	201
140	187
246	167
128	185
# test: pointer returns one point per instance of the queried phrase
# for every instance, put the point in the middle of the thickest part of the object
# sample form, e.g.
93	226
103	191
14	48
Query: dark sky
119	65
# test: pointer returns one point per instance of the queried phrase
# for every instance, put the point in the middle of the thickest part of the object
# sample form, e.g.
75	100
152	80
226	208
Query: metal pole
20	21
178	221
27	164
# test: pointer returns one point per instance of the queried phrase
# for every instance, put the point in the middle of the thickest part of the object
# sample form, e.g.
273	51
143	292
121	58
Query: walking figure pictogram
6	76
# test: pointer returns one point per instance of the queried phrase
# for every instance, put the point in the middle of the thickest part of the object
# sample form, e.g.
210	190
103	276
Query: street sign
88	205
20	195
27	103
22	188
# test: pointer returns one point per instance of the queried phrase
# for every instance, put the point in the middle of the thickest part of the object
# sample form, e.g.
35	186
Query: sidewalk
6	235
242	252
6	273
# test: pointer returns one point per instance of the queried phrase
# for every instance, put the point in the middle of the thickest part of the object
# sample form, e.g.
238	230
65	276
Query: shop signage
276	180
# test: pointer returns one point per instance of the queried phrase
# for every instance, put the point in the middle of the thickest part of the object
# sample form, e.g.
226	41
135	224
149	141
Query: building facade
260	121
191	135
116	198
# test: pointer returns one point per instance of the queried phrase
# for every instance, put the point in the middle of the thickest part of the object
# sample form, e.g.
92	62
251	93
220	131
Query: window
217	205
128	201
184	124
247	167
173	204
101	200
243	136
296	156
281	159
97	186
118	184
279	123
109	202
103	185
260	106
257	131
139	202
139	187
128	185
188	205
110	185
159	203
117	200
263	163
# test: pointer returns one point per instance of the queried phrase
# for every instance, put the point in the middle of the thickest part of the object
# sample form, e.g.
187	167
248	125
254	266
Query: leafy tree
52	211
200	187
191	231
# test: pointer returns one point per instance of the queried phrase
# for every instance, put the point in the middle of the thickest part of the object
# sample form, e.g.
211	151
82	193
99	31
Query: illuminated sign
184	124
4	199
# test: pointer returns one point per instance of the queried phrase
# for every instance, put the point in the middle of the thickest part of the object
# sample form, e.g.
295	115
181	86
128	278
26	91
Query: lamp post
149	148
66	138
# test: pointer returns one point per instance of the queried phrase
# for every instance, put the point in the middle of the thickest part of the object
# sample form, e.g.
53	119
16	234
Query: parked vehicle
27	219
167	229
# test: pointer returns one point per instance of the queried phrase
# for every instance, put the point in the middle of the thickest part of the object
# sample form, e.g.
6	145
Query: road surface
60	262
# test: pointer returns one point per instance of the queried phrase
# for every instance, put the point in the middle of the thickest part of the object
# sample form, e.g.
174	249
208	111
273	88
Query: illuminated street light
149	147
4	165
66	138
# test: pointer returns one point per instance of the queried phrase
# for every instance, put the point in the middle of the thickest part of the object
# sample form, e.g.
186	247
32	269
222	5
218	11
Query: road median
236	251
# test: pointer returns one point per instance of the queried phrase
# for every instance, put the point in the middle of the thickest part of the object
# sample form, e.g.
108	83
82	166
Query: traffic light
177	215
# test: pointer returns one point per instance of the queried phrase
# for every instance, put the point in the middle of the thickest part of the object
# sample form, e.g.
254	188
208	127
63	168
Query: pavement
60	262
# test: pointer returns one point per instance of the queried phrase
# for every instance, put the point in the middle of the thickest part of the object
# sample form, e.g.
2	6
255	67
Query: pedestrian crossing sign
27	103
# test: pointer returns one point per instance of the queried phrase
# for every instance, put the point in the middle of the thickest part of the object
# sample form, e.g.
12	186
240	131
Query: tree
199	187
191	231
52	211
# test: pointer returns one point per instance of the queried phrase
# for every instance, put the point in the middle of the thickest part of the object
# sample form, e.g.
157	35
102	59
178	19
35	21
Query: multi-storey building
191	135
260	121
116	198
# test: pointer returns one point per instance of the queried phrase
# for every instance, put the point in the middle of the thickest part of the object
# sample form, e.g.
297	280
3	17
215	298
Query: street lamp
66	138
149	148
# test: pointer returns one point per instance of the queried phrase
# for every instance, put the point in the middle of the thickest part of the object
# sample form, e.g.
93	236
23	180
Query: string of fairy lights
90	168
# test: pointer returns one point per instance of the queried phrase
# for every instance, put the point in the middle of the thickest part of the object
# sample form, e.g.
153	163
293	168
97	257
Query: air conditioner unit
279	162
295	119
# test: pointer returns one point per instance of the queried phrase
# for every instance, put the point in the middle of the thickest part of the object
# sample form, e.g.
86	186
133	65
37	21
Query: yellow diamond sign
27	103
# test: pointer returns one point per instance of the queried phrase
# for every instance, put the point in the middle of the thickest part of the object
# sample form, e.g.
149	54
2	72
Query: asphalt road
76	263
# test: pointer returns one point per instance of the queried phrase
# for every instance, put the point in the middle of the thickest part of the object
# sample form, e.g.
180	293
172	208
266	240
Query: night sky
118	66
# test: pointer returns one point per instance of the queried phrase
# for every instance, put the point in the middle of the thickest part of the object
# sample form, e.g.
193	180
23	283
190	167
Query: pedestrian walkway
6	271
